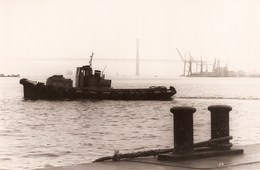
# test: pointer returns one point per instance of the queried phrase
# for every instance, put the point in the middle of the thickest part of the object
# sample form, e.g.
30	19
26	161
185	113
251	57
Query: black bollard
183	129
183	135
220	121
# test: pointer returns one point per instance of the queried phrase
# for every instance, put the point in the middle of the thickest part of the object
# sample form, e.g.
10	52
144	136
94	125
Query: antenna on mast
90	61
104	69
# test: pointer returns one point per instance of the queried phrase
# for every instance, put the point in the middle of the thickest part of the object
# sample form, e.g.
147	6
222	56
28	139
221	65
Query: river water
37	134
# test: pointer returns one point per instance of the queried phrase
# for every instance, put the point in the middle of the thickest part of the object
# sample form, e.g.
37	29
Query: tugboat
90	86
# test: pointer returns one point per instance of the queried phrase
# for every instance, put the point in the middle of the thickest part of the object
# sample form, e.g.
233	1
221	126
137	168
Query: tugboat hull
34	91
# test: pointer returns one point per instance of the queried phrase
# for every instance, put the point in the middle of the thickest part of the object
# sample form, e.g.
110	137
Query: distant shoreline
12	75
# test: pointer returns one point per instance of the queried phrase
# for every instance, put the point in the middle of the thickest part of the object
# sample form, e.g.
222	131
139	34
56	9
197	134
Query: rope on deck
211	142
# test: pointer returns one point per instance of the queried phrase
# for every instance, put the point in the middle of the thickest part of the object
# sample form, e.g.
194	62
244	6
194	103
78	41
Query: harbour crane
189	62
184	61
201	63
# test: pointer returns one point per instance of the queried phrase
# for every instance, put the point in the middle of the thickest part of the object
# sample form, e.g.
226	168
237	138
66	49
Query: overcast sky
35	32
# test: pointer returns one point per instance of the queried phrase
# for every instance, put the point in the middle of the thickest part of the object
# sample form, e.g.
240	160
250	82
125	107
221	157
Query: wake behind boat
90	86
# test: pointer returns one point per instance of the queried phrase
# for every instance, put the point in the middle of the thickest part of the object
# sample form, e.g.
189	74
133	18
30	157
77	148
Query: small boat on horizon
90	86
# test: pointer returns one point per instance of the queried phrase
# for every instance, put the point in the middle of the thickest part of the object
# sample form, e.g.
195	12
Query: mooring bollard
185	149
183	129
220	121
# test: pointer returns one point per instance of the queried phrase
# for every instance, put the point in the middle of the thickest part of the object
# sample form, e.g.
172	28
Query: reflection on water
42	133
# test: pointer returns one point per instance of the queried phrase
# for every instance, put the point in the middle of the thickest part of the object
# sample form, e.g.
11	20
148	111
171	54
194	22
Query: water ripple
36	134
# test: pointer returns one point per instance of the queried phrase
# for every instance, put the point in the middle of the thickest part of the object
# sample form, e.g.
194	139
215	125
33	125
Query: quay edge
249	160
